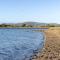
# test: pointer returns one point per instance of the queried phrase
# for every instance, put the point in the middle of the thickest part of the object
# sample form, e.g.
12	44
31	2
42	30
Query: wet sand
51	50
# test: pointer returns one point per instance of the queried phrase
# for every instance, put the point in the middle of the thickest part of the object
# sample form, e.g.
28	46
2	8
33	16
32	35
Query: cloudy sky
12	11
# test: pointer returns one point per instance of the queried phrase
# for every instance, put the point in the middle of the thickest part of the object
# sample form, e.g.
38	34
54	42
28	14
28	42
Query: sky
15	11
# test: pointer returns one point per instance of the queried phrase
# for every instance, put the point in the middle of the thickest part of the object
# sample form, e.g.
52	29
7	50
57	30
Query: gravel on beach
51	50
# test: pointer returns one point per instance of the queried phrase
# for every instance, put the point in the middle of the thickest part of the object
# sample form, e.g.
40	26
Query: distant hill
32	23
29	24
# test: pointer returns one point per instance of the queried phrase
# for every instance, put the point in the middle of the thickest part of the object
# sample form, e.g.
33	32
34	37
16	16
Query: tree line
26	25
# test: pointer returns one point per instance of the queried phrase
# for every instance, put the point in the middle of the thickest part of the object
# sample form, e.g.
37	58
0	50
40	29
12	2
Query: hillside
30	24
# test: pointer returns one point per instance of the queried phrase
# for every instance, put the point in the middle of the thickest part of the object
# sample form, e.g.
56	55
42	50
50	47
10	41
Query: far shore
26	27
51	50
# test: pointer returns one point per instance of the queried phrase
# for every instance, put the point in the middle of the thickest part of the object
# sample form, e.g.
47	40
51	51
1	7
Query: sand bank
51	50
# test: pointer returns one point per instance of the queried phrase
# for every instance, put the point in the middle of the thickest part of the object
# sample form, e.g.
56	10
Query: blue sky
29	10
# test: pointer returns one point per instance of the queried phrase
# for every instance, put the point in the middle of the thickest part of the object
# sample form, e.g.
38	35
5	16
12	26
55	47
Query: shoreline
26	27
51	50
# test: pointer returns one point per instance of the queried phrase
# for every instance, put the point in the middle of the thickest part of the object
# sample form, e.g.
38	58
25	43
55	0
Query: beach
51	50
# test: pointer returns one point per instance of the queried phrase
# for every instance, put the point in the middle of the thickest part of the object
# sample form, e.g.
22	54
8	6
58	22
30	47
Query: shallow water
19	44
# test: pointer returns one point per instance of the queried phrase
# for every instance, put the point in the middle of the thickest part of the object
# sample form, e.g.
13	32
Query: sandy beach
51	50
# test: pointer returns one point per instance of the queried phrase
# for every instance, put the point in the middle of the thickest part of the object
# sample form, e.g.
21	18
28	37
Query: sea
20	44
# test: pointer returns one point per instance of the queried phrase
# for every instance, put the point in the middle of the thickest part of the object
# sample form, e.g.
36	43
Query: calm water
19	44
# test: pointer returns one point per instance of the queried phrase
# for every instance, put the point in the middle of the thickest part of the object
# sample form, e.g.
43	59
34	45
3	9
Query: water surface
19	44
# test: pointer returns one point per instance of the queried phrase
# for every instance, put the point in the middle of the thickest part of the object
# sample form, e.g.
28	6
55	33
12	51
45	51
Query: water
19	44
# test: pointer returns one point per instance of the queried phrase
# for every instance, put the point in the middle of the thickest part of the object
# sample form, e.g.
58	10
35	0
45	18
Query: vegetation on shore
29	25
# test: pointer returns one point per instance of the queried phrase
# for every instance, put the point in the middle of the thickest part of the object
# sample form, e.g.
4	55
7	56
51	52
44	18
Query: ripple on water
19	44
